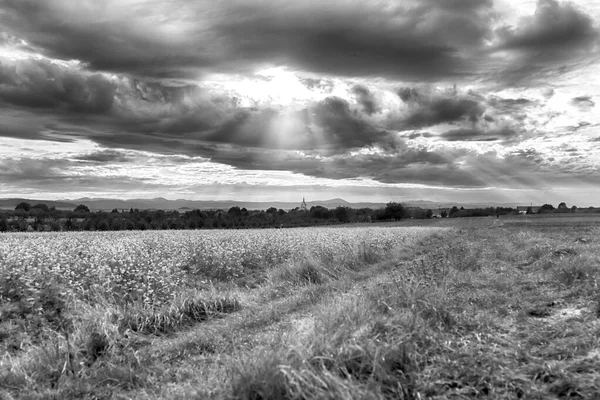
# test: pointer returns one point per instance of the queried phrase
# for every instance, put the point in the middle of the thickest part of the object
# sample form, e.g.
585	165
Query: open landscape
298	200
493	309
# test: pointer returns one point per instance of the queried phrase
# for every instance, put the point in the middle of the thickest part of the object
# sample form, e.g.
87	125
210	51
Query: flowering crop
151	267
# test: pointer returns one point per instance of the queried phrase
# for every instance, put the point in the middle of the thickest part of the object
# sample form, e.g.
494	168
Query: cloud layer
454	93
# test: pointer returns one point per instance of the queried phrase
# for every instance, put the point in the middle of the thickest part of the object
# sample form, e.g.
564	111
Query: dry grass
490	311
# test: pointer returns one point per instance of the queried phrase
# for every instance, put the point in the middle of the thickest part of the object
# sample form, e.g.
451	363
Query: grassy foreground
498	311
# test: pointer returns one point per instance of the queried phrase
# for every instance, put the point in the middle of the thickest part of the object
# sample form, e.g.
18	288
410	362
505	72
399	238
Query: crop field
490	308
150	268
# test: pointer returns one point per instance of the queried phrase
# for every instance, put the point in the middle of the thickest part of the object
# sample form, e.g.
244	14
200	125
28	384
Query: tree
234	211
82	208
429	214
319	212
3	225
116	225
41	207
395	211
562	208
24	206
546	208
342	213
70	224
103	225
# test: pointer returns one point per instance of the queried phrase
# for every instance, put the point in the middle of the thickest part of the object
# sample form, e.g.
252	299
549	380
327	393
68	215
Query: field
482	307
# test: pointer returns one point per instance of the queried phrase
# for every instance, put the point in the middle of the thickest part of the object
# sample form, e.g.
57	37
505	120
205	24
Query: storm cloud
559	37
416	39
555	29
40	84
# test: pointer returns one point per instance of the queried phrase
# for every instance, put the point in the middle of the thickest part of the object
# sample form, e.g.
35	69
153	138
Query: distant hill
10	204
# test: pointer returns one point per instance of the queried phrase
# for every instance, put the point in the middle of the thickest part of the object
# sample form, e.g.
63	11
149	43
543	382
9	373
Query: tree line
39	217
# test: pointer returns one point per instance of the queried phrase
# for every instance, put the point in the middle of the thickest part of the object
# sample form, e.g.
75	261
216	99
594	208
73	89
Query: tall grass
471	313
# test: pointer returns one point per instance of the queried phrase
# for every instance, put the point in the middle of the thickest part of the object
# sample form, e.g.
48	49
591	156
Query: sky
466	101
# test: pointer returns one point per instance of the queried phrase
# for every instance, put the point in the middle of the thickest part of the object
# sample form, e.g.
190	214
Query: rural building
523	209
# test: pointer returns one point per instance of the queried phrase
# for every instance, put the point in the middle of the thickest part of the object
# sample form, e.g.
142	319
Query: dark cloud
108	36
135	113
39	97
416	40
478	134
428	109
330	126
23	124
456	168
555	27
407	165
584	103
366	100
41	84
555	40
445	110
408	94
341	127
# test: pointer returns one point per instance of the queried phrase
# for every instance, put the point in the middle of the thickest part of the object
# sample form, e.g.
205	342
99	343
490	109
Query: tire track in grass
261	326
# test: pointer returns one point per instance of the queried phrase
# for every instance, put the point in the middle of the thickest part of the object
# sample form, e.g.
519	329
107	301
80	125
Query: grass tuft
177	315
577	270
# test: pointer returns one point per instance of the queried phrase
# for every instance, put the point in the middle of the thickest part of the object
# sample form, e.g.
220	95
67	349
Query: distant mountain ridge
159	203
